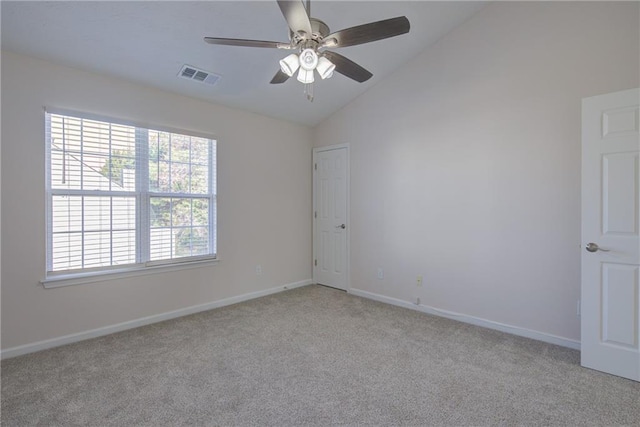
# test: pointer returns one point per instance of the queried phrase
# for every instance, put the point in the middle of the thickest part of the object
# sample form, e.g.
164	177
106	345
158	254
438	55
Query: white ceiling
149	41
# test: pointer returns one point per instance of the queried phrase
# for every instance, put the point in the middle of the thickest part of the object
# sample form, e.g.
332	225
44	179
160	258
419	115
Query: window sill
102	276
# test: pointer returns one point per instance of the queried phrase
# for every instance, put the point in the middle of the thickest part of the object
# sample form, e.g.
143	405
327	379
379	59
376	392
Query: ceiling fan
312	38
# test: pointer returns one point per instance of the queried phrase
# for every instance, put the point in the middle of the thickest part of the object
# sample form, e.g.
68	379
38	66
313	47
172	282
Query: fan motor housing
319	30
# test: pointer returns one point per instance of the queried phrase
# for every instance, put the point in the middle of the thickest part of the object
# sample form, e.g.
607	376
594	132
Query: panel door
610	230
330	217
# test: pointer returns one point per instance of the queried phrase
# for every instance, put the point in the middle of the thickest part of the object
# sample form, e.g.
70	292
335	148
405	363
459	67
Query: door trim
348	210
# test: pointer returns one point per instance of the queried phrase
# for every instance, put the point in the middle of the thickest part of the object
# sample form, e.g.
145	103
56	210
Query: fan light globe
325	68
290	64
308	60
305	76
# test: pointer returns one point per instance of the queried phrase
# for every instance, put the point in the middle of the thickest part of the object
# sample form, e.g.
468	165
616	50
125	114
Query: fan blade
347	67
296	16
368	32
246	43
280	77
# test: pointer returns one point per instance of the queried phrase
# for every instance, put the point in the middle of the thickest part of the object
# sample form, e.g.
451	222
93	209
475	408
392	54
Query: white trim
348	209
71	279
490	324
106	330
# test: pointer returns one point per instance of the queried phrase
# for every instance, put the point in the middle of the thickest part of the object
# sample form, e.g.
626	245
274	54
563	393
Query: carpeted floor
312	356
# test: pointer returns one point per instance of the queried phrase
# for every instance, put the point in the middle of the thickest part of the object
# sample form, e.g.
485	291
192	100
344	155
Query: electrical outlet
380	273
419	281
258	270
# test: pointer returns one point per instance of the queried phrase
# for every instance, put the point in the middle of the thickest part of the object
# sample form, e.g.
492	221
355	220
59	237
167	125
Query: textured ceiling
149	41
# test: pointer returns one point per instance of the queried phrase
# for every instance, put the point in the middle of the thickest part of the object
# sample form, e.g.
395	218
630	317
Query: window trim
59	280
54	279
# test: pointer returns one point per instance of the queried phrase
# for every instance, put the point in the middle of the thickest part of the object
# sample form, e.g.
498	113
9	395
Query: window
126	196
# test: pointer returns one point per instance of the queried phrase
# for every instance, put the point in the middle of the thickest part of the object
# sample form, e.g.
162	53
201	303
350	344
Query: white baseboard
515	330
94	333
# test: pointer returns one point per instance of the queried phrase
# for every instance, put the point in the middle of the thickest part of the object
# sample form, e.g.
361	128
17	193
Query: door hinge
315	214
315	262
315	166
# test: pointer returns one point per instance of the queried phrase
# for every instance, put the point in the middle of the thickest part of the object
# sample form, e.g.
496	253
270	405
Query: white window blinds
122	195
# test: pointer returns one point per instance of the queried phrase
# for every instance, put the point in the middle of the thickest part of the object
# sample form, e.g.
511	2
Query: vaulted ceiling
148	42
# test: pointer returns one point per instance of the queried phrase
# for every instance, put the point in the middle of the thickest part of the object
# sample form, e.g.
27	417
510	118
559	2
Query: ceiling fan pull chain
308	90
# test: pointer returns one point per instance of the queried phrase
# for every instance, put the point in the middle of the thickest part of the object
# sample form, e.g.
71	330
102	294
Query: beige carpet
312	356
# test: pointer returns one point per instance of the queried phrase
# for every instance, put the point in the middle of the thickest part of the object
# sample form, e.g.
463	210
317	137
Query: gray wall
264	203
465	163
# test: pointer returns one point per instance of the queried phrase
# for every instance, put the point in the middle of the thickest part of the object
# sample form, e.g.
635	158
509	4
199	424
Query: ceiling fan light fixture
305	76
290	64
325	68
308	60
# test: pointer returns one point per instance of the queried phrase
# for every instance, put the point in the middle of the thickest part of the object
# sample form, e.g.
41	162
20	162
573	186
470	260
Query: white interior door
331	213
610	228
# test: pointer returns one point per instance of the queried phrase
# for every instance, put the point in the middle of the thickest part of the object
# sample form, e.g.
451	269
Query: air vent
192	73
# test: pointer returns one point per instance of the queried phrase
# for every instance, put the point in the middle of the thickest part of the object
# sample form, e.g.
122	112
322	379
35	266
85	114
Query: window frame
143	264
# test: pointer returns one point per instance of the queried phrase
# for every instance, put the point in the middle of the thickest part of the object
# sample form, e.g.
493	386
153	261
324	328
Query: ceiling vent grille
192	73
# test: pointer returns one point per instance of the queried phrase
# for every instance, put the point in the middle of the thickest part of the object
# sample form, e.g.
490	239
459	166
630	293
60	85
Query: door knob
593	247
341	226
